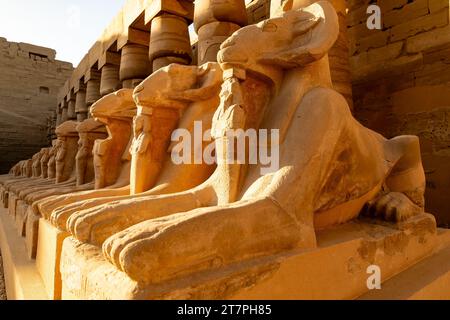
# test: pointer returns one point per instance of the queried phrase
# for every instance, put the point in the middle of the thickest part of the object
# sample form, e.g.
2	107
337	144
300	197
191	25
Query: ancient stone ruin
30	80
292	193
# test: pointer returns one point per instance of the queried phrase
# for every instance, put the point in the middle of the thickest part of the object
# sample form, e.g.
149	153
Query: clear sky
70	27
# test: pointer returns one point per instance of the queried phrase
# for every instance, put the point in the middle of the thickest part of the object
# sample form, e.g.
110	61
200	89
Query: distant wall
30	78
401	82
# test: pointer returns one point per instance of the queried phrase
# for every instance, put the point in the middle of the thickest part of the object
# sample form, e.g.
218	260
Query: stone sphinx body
62	163
81	170
276	76
173	97
111	155
73	162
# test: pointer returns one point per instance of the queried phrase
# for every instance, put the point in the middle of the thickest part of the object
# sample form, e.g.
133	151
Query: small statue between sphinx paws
392	206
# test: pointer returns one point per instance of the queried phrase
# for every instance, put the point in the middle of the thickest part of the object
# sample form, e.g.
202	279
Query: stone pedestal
12	202
31	233
336	269
22	279
47	260
21	218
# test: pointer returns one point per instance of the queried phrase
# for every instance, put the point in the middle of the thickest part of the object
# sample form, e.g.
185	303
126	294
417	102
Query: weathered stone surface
408	12
30	78
401	80
428	40
436	5
388	5
424	23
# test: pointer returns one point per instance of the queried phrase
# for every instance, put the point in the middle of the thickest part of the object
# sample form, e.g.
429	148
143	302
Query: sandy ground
2	282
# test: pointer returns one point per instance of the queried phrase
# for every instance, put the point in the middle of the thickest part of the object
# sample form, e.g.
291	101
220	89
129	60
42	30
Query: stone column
81	108
169	41
110	80
64	110
214	23
339	55
71	115
92	81
135	65
58	113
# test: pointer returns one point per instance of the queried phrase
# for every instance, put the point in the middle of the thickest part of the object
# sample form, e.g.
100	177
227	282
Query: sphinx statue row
118	191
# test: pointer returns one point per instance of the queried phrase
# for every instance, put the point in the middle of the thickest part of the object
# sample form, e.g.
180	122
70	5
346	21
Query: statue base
32	234
12	202
4	195
48	254
22	278
21	217
336	269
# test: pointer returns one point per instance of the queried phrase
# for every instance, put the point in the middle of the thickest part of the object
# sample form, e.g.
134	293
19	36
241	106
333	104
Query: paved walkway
2	282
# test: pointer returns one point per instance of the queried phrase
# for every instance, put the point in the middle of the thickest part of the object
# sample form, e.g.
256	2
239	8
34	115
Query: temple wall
401	82
30	78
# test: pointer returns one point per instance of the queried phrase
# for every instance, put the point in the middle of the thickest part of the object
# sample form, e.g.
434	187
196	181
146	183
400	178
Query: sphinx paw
120	245
61	215
97	224
46	206
393	206
142	248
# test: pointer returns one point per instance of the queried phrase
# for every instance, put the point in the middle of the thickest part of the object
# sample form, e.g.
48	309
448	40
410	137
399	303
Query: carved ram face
118	104
293	39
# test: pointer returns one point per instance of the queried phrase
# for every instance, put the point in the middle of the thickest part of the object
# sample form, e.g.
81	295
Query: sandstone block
377	40
354	4
433	74
408	12
441	54
357	16
373	56
403	64
436	5
421	99
422	24
388	5
428	40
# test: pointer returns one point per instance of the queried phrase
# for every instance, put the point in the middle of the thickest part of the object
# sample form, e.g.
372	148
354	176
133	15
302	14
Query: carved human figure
111	155
44	162
89	132
51	164
36	166
67	150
